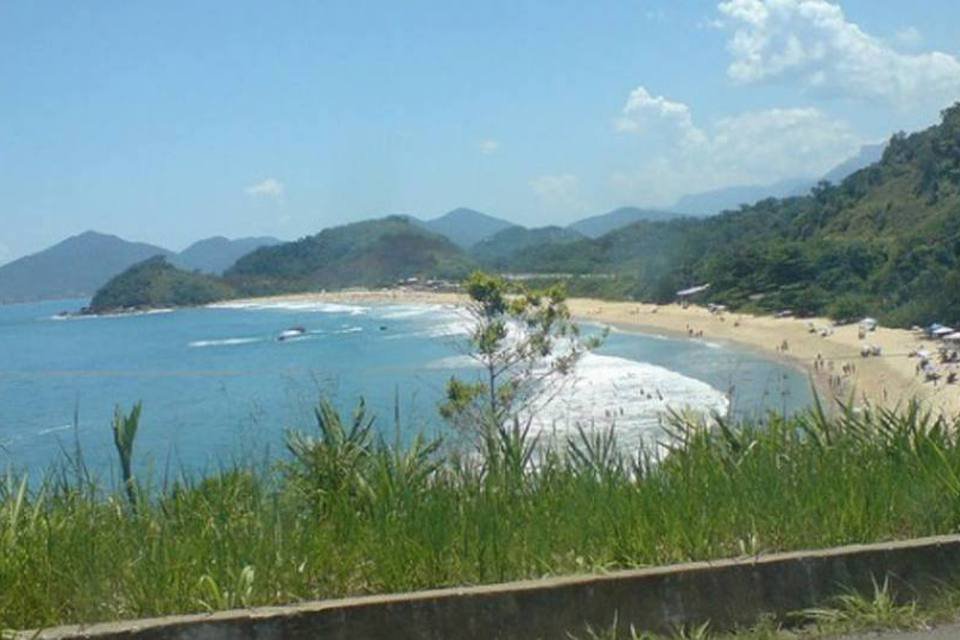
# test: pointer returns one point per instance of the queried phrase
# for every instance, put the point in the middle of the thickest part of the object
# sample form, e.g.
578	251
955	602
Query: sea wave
43	432
632	397
399	312
609	391
304	306
347	330
453	362
123	314
224	342
708	344
444	325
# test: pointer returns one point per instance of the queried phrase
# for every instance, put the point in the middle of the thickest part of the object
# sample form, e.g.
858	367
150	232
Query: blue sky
168	122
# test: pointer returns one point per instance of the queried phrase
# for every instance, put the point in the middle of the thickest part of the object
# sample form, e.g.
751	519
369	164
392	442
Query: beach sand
833	361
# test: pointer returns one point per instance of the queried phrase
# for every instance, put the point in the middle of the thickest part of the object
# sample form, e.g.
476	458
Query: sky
172	121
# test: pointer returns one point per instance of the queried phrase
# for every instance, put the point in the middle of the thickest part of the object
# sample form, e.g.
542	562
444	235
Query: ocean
217	385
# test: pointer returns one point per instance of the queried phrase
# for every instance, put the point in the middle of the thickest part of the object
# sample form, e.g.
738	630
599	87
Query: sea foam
608	391
224	342
295	305
632	397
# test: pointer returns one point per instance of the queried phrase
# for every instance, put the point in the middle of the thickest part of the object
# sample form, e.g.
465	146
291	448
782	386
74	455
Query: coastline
842	374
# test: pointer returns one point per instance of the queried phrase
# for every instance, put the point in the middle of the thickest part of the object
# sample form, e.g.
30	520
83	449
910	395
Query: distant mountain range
708	203
596	226
464	227
884	242
74	268
81	264
711	202
868	155
216	255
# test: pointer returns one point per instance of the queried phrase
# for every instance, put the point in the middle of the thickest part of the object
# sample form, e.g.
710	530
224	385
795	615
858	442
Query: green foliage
156	283
369	253
884	242
124	433
526	344
348	515
503	249
330	464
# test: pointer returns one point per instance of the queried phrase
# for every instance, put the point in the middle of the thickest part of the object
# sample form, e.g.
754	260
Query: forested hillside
156	283
369	253
885	241
506	247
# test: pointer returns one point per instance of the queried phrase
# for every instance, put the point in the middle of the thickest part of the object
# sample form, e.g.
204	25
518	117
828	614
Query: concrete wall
725	592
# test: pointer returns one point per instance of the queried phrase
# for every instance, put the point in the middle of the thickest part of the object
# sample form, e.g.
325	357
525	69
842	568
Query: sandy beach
833	361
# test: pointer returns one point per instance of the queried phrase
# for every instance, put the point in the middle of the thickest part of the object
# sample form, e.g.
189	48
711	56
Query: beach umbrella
942	331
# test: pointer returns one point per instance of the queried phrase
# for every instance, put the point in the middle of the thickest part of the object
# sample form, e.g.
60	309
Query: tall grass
347	514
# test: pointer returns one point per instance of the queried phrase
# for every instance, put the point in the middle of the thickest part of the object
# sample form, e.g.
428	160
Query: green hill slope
156	283
886	241
369	253
505	247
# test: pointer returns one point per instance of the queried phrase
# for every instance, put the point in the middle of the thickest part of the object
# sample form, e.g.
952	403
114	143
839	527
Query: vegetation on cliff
369	253
155	283
886	241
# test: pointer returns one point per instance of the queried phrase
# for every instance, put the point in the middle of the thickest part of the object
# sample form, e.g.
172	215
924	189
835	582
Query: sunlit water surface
217	385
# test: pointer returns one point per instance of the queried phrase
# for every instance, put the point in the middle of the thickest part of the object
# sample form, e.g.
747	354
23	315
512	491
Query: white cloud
757	147
488	147
812	41
779	143
645	113
561	192
909	37
268	188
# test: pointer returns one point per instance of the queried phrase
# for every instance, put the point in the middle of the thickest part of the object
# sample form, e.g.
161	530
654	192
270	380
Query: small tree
526	344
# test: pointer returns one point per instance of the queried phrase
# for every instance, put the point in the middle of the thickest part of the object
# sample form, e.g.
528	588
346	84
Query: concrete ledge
725	592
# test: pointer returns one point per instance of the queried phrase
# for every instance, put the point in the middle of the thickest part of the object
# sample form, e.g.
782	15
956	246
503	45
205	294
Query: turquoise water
216	383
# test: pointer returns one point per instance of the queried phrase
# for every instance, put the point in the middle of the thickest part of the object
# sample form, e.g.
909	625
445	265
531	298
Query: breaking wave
310	307
225	342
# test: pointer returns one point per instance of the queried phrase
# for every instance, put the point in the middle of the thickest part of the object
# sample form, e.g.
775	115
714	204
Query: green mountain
215	255
465	227
506	247
156	283
73	268
596	226
369	253
886	241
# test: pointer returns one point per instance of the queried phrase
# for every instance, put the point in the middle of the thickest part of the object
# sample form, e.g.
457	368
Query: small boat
292	332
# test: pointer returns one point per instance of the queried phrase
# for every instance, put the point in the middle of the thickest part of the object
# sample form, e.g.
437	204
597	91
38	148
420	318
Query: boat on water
292	332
